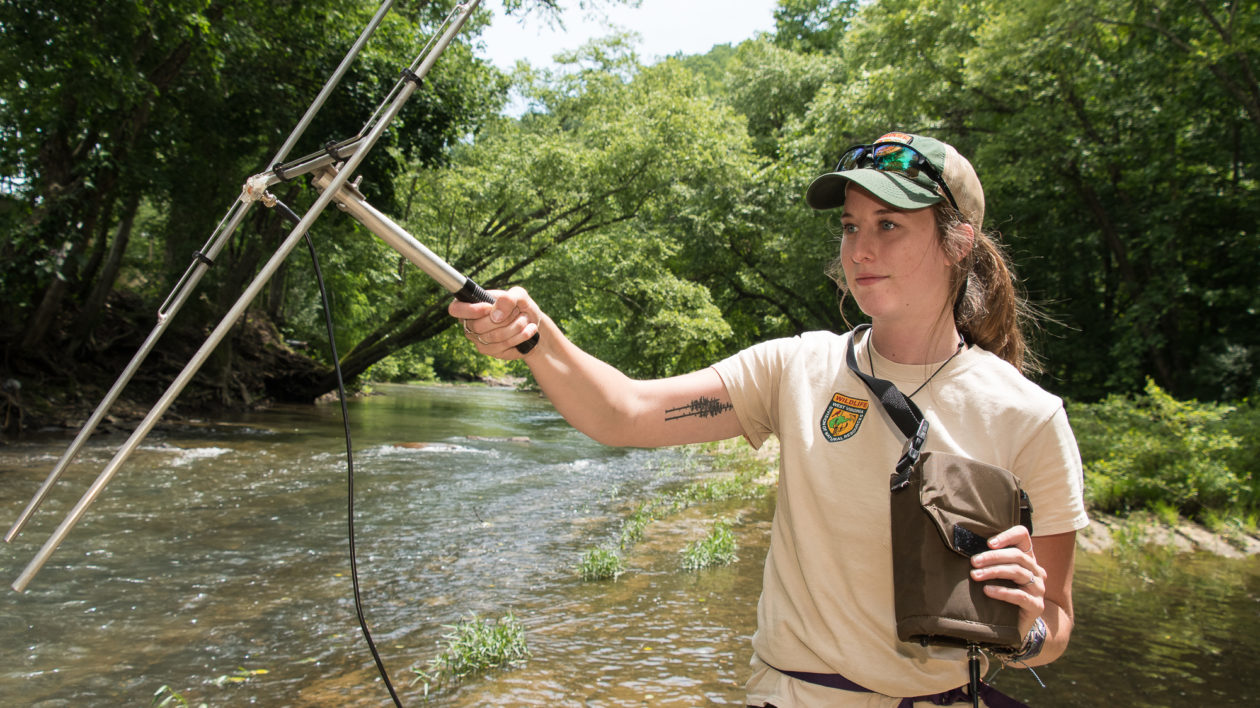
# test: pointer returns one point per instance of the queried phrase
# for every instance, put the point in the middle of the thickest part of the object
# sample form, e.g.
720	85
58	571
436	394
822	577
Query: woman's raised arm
593	396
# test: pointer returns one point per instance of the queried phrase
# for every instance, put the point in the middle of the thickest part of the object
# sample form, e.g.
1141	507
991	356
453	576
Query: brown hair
989	308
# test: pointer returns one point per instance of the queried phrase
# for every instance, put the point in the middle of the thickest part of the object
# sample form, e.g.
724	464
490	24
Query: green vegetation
717	548
475	645
743	477
1233	527
1172	458
601	563
654	211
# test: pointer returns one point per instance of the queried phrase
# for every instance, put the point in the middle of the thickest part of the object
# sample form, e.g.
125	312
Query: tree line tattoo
701	407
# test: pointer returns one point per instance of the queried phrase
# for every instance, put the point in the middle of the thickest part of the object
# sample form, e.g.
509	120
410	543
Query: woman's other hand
1041	571
1014	560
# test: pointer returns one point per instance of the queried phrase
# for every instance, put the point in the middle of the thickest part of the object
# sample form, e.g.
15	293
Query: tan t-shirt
827	600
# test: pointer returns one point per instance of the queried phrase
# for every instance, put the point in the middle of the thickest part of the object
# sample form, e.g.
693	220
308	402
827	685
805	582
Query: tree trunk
1115	244
86	321
42	319
81	212
61	165
428	324
100	244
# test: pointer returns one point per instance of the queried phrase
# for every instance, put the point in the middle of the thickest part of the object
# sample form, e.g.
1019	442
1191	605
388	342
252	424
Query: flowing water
216	564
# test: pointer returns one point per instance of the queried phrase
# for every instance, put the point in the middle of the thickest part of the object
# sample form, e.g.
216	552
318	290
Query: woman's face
893	262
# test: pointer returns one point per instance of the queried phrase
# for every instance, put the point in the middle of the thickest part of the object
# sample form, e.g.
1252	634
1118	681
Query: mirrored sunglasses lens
853	159
895	158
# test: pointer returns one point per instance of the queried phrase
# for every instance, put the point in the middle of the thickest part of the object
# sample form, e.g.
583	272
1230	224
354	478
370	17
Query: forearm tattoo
700	408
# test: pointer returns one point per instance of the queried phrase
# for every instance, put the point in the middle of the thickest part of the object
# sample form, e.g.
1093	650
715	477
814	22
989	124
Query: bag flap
969	501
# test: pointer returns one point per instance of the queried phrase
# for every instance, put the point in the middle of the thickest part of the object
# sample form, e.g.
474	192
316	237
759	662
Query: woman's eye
848	228
887	225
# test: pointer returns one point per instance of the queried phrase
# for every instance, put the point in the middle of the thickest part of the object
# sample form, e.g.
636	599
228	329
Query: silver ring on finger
471	334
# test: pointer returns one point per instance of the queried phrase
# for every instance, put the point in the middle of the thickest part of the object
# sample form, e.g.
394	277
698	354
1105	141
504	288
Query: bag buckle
910	453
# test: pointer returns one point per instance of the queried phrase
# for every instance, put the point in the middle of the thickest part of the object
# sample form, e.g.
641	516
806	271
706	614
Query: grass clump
600	564
1235	529
1167	514
632	528
473	646
717	548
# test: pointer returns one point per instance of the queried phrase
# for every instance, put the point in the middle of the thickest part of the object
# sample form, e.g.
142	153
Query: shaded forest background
655	211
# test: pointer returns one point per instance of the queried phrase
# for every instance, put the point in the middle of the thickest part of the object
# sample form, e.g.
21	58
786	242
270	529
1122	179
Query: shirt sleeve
752	378
1049	468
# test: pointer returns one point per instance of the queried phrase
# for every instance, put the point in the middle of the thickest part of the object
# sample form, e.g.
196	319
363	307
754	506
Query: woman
945	328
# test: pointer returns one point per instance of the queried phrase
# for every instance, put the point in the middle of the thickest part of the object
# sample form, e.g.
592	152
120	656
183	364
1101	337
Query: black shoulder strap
904	413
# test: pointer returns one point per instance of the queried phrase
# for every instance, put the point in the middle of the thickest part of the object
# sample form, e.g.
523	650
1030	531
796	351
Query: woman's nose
859	248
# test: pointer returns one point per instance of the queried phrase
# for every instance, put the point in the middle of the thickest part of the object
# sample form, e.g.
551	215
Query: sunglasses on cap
896	158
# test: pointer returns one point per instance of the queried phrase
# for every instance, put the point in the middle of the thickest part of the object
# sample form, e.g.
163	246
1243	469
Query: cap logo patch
843	416
902	138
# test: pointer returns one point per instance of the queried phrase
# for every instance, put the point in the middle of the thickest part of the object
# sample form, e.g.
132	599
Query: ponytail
989	309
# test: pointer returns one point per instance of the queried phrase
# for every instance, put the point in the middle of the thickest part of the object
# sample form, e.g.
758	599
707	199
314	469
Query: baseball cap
905	171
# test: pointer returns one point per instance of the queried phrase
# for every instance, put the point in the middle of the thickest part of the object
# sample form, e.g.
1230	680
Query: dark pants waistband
992	697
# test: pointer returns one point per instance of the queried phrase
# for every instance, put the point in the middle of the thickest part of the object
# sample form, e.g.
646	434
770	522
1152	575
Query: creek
216	564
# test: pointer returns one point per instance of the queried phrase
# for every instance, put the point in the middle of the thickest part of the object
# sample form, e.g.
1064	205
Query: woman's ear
964	236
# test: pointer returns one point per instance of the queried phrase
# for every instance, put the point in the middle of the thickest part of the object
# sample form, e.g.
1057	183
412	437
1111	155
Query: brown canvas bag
944	509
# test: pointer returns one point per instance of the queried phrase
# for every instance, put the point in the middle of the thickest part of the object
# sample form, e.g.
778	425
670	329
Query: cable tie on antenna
411	76
278	170
198	255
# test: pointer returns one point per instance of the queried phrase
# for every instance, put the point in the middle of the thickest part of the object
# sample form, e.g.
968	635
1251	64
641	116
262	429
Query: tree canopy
655	211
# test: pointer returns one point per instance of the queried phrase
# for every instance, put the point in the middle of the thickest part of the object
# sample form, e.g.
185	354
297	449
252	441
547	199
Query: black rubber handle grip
472	292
